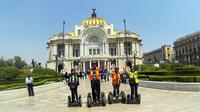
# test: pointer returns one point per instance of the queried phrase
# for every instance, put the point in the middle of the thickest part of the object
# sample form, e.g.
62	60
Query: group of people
72	79
95	79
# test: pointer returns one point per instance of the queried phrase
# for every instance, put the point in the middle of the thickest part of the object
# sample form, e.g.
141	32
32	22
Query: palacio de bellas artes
93	41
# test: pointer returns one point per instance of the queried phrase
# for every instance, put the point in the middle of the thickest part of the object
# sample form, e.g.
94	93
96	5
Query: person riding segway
135	97
73	83
115	97
97	98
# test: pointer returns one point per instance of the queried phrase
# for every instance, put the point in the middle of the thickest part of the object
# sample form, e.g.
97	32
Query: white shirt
28	80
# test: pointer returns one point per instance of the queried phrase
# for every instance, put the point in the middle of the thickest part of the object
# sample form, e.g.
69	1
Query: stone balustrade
19	93
176	86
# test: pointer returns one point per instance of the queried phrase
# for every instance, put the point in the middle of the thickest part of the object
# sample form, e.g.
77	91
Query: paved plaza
153	100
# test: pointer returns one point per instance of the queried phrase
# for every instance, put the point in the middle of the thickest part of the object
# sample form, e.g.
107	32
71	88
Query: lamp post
126	50
134	57
63	52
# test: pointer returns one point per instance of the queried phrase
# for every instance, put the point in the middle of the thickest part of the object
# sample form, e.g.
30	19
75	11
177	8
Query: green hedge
175	78
9	73
171	73
43	71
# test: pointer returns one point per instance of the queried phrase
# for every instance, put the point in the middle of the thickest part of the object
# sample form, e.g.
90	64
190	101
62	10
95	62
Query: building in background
93	41
187	49
161	55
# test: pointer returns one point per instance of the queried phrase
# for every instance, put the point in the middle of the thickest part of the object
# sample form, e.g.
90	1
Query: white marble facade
94	40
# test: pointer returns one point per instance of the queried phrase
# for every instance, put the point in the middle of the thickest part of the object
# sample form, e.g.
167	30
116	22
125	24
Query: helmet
116	67
72	69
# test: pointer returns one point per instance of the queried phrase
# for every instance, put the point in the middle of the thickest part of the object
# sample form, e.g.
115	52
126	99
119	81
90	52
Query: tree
18	62
2	63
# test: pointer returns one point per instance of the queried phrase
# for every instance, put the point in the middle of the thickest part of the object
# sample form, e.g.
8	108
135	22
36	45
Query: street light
126	52
134	57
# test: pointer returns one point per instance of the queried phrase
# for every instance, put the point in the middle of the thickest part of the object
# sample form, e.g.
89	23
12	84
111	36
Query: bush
39	83
43	71
9	73
175	78
142	76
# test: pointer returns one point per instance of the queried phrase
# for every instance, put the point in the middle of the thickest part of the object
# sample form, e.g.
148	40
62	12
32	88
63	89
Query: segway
120	99
91	103
75	103
134	100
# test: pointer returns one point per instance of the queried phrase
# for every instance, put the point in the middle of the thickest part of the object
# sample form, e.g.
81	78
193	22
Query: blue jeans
134	90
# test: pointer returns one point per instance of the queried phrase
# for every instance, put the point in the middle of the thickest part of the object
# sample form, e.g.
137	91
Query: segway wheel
89	102
102	94
110	99
104	101
128	98
139	99
69	101
123	97
80	101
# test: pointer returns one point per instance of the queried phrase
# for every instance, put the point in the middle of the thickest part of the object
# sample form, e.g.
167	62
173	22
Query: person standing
29	81
116	82
95	82
73	83
133	82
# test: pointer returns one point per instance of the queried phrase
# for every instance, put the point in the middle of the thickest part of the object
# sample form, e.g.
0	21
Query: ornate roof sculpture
94	20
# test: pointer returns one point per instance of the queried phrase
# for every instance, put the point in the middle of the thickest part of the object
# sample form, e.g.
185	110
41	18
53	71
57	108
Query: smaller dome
93	21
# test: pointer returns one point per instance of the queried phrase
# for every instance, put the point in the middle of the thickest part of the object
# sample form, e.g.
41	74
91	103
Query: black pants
116	90
74	93
134	90
95	85
30	89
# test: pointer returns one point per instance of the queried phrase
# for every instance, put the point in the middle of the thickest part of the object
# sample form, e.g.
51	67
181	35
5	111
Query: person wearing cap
95	82
133	82
116	82
73	83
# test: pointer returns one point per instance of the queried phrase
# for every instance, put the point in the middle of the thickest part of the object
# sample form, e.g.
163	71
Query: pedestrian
65	78
29	83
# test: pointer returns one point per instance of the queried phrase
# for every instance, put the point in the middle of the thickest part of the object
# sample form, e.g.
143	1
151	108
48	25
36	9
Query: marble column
122	48
140	50
102	49
107	48
118	49
133	48
66	51
55	51
84	49
83	65
81	49
49	52
90	64
71	51
137	50
98	63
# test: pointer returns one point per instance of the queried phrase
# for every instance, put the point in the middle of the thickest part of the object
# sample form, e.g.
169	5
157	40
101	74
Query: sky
26	25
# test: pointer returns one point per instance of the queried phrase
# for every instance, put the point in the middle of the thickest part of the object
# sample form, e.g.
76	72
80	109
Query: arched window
109	31
128	48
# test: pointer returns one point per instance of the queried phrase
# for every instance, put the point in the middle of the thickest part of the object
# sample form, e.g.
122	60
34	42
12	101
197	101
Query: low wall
176	86
18	93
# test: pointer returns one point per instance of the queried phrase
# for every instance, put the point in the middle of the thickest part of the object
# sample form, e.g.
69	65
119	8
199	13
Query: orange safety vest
116	76
97	74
